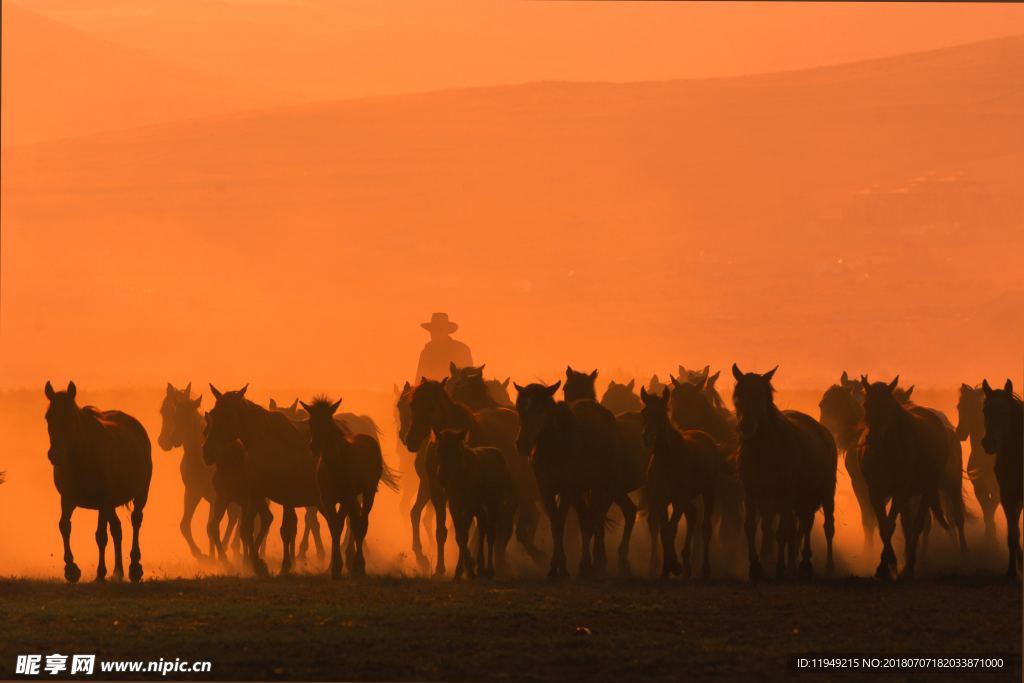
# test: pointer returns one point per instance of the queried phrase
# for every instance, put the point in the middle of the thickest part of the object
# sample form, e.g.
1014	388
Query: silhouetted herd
669	452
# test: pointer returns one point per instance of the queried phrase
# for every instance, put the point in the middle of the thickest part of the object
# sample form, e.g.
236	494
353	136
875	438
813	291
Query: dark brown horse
631	460
468	386
981	465
101	459
498	389
904	457
478	486
842	411
571	447
231	489
706	381
788	469
691	406
620	398
182	426
431	410
1004	437
684	467
349	470
280	463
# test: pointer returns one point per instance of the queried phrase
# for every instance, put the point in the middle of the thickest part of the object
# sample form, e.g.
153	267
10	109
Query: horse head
655	414
426	410
1002	411
841	412
753	399
534	403
63	422
178	412
882	405
579	385
970	412
224	422
321	420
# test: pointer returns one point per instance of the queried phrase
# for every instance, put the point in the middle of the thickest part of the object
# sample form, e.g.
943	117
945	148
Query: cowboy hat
440	323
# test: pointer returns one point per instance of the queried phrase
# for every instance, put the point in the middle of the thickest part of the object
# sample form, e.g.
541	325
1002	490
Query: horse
467	386
232	490
787	465
684	466
981	471
1004	438
348	422
431	410
349	467
706	381
904	455
280	463
477	485
842	411
631	460
406	459
655	385
692	407
182	426
498	389
620	398
101	459
573	449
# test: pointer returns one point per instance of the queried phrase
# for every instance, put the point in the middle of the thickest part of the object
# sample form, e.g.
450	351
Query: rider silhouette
441	350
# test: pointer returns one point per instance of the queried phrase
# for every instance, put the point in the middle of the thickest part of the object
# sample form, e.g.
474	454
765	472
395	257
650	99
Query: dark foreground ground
311	628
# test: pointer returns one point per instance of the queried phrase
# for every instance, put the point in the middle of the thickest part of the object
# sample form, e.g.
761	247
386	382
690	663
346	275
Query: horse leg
422	496
628	508
313	521
690	513
437	499
135	567
462	522
363	529
115	534
304	542
71	571
668	527
527	521
829	512
191	502
783	535
924	531
101	543
289	527
707	524
806	525
913	521
768	531
1012	511
335	522
655	533
750	526
217	510
233	512
553	508
587	517
886	526
599	522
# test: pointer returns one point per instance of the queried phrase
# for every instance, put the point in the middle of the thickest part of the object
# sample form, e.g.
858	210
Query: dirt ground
312	628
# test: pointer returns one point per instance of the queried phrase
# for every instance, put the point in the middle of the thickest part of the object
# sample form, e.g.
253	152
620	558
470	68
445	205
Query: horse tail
388	476
936	507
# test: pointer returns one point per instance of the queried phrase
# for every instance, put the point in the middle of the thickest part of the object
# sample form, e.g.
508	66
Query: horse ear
844	378
198	401
216	394
713	378
452	367
910	391
736	372
593	375
706	371
771	373
504	385
188	390
964	386
568	371
674	381
423	380
643	394
984	385
50	393
1008	387
481	368
273	404
170	389
664	394
554	387
895	381
631	384
72	390
241	392
445	381
307	408
294	405
700	383
334	406
518	388
864	382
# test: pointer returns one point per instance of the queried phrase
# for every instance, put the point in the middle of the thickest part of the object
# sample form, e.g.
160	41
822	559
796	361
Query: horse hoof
101	578
135	572
118	575
72	573
884	572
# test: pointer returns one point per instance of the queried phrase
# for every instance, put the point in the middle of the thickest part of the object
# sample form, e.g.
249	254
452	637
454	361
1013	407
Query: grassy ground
310	628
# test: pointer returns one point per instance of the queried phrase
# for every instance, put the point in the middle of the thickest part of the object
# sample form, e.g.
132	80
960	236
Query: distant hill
59	82
852	214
